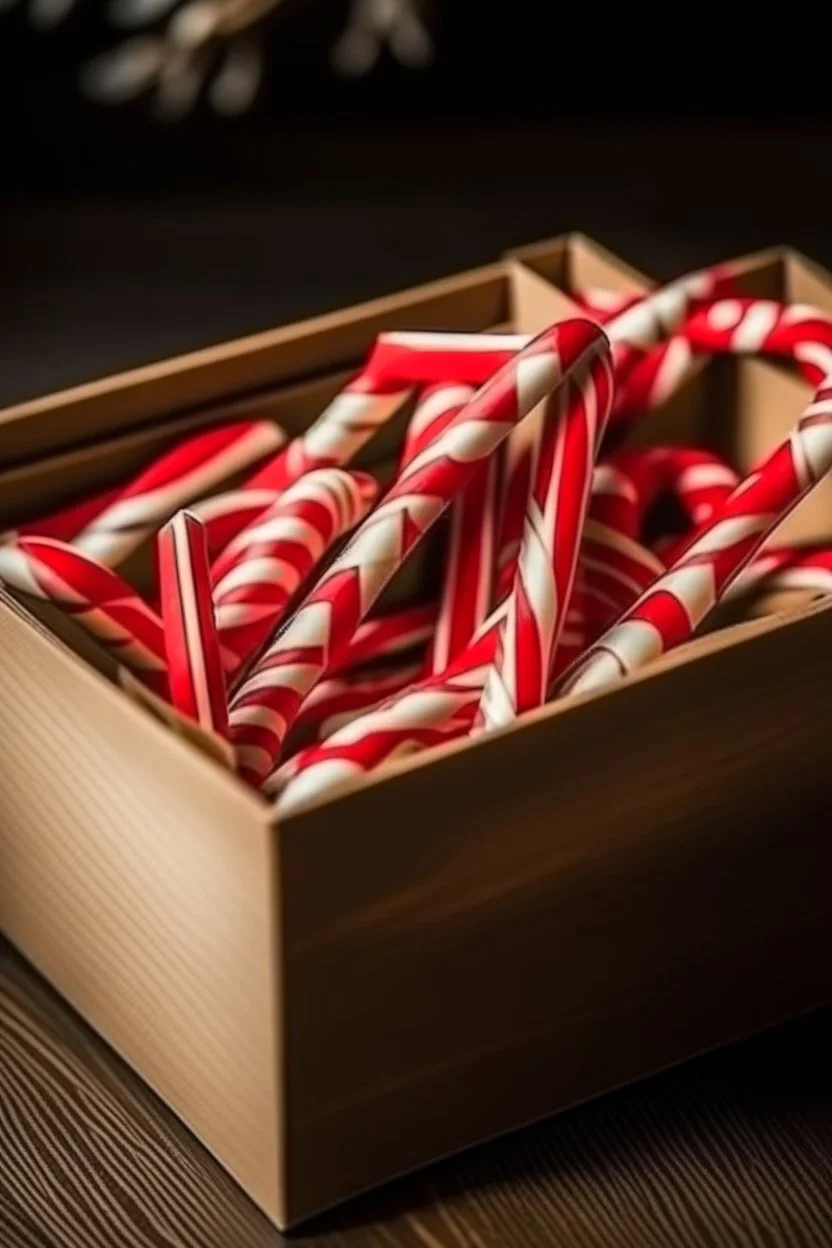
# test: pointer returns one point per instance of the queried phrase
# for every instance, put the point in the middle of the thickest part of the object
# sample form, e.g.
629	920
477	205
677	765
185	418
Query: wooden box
463	942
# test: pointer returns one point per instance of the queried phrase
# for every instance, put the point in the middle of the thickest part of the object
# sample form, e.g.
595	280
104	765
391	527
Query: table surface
731	1149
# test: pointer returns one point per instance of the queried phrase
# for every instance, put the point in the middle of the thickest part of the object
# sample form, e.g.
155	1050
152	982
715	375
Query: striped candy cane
763	327
652	357
269	699
698	479
225	515
787	567
439	709
671	610
436	709
660	314
258	573
466	594
65	523
337	700
95	597
396	363
465	598
438	405
519	678
386	635
188	471
195	671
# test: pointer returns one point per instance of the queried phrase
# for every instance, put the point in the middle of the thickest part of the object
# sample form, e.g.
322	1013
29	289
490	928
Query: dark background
123	240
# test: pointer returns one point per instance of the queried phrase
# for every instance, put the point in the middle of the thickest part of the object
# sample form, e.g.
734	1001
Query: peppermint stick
93	596
674	606
258	573
268	701
189	470
195	672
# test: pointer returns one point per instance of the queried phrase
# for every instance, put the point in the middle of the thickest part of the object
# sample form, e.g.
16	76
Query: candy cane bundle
547	584
268	701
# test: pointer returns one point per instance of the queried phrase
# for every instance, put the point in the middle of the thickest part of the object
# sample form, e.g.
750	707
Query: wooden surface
732	1150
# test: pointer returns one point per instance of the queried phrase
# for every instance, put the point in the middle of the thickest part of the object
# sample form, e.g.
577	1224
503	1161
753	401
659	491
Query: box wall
140	880
514	926
339	340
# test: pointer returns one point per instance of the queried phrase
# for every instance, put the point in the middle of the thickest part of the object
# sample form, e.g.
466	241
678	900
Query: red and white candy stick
671	610
437	406
225	515
652	357
660	314
698	479
433	712
190	470
337	700
95	597
615	500
64	523
795	331
519	678
386	635
195	671
465	599
269	699
396	363
466	594
258	573
787	567
616	569
437	709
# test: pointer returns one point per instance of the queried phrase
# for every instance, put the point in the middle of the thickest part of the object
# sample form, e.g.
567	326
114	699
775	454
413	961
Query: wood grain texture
734	1151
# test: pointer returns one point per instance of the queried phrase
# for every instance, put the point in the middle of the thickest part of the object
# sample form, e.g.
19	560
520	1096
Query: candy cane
225	515
396	363
699	479
386	635
764	327
268	700
191	469
519	678
195	672
337	700
670	611
64	523
465	598
438	405
659	315
658	375
787	567
438	709
257	574
95	597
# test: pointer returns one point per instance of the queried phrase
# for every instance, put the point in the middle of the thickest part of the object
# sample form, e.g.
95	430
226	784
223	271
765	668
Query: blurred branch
185	49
